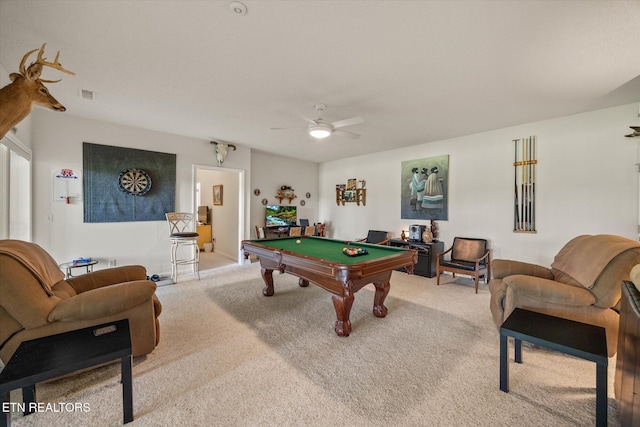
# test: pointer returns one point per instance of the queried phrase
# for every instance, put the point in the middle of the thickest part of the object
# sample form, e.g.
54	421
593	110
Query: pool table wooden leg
343	308
382	290
267	275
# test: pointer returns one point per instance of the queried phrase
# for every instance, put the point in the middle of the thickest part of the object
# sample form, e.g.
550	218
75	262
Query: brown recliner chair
583	283
36	300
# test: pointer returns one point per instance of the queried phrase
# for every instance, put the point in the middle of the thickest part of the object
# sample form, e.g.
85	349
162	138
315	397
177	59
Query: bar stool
181	233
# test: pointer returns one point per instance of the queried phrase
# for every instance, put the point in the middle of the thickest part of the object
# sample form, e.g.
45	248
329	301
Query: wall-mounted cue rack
524	197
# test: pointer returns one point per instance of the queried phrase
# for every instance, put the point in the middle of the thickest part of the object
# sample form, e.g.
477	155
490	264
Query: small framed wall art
217	195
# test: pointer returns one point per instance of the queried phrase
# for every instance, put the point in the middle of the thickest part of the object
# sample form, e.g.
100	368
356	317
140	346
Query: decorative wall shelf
359	195
285	192
281	198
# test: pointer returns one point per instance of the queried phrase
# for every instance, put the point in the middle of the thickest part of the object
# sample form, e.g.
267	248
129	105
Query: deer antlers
26	89
43	62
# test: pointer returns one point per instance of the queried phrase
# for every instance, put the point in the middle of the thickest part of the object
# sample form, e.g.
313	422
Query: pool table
321	261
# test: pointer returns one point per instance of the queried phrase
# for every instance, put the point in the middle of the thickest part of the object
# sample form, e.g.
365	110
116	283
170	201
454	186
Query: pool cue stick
530	192
524	184
525	197
516	215
533	184
522	219
526	188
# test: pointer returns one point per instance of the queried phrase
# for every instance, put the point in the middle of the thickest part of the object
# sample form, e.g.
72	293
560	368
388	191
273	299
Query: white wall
57	143
224	218
269	173
586	183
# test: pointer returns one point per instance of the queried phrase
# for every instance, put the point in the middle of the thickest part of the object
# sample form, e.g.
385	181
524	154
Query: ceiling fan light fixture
320	131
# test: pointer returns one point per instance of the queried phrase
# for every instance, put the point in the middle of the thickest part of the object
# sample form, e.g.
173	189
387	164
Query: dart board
135	182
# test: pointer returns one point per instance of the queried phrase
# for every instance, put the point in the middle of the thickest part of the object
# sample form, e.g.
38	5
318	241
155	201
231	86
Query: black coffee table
49	357
567	336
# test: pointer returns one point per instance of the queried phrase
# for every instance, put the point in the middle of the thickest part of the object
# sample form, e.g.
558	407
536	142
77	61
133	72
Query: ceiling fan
320	128
636	131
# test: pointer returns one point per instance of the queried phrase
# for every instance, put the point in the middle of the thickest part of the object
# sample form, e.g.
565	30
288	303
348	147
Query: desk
204	234
582	340
49	357
280	231
67	266
321	261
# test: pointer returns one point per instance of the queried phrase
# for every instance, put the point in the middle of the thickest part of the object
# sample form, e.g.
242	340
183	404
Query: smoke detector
238	8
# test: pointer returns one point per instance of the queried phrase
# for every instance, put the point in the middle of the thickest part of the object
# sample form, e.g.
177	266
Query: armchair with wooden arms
295	231
469	256
309	230
376	237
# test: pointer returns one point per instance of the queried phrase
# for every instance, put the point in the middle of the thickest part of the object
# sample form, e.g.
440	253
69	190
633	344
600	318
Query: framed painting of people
424	188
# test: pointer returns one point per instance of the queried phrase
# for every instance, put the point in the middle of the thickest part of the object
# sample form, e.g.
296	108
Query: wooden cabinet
205	234
427	252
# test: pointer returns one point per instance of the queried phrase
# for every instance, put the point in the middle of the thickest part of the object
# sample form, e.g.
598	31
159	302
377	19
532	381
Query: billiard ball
298	241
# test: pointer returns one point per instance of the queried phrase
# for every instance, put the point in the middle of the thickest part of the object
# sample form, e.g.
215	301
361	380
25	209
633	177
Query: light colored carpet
229	356
211	260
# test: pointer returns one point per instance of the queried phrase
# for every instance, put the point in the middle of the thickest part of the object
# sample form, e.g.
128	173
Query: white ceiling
415	71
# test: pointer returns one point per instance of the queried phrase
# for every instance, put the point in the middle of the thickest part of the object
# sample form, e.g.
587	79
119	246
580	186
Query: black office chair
304	223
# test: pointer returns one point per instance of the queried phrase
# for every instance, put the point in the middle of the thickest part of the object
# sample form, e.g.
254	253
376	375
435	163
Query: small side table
578	339
67	266
52	356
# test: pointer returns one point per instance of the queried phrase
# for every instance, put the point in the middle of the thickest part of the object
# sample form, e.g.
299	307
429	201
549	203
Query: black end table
578	339
49	357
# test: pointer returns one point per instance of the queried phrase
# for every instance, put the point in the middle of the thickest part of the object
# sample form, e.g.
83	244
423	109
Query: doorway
15	189
226	213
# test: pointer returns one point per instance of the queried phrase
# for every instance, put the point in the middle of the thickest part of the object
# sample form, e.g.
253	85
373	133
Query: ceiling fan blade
307	119
346	133
347	122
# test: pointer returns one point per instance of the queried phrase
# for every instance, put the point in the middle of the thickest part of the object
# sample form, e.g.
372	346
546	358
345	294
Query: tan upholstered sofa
37	301
583	283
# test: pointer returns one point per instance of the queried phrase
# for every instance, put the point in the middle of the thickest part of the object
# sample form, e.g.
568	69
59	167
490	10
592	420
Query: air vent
87	94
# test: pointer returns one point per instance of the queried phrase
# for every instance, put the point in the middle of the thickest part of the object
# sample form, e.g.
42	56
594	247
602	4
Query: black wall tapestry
126	184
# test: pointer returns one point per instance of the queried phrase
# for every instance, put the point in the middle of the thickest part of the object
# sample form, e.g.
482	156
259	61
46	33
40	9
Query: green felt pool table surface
329	249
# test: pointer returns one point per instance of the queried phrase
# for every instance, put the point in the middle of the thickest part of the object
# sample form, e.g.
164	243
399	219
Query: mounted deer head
222	150
26	89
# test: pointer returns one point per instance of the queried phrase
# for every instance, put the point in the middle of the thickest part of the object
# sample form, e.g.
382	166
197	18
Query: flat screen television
280	216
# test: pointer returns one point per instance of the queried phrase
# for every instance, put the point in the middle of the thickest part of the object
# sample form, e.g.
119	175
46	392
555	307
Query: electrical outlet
112	263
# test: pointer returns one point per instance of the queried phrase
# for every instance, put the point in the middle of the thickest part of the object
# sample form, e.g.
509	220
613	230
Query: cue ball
298	241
